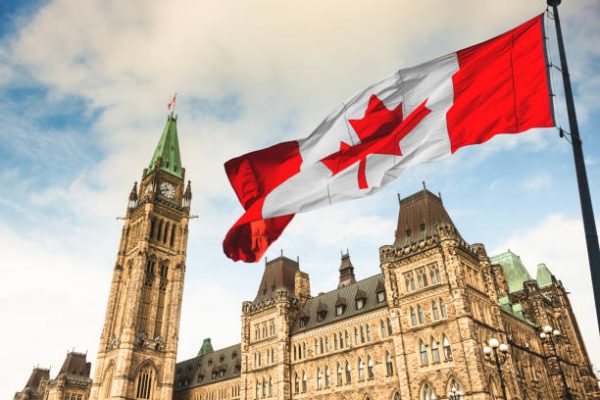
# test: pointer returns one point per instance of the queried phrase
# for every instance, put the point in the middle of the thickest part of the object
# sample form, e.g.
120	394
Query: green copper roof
206	348
543	276
514	270
168	150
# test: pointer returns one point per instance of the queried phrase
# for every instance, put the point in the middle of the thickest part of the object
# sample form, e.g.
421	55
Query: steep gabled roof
279	273
75	364
168	150
36	377
219	365
515	272
543	276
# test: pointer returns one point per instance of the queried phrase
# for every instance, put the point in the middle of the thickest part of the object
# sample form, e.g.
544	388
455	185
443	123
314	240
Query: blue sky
83	94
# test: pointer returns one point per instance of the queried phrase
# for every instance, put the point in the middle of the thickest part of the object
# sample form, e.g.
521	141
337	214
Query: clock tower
138	346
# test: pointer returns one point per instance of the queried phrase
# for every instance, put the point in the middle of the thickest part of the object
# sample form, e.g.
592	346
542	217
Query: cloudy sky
83	93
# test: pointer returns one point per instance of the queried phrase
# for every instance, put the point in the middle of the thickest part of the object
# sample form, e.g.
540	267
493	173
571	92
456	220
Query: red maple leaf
380	132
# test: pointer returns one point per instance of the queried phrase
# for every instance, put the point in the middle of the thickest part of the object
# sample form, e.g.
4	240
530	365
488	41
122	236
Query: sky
83	94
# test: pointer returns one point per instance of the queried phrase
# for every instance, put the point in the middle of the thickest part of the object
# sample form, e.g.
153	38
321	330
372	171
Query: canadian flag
414	115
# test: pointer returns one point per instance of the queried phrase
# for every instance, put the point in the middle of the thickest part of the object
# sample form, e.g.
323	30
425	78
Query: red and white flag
171	105
414	115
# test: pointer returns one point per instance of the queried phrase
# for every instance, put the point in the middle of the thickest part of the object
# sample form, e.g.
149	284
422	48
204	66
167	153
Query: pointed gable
543	276
515	272
168	150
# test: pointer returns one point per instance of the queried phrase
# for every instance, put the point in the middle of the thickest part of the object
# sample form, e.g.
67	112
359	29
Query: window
435	311
423	353
342	340
447	348
335	342
339	309
422	278
389	367
454	386
257	393
303	321
348	372
360	304
303	381
421	314
319	378
443	308
370	368
145	384
435	352
413	317
339	374
361	369
380	296
316	346
327	377
389	326
296	383
303	350
355	336
368	333
321	315
382	328
434	274
362	334
409	281
427	393
270	392
327	344
347	338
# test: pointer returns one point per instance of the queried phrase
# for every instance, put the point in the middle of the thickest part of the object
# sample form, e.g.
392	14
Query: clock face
168	190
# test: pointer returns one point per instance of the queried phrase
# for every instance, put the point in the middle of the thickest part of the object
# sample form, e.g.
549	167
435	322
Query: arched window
335	341
348	372
149	274
396	396
427	393
421	314
257	394
303	381
435	311
368	333
447	348
270	387
382	328
159	230
355	336
413	317
389	366
295	354
443	308
434	274
361	369
107	383
370	373
166	232
303	350
296	383
339	373
319	378
435	351
172	235
264	387
164	271
423	353
347	338
327	377
389	326
455	387
145	384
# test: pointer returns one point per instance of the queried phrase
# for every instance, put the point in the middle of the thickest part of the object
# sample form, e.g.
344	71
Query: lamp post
550	336
496	353
455	394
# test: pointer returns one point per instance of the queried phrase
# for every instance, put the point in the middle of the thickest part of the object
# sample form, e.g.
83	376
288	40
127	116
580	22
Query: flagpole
589	224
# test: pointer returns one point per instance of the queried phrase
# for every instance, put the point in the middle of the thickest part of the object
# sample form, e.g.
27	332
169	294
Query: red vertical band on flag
501	87
253	176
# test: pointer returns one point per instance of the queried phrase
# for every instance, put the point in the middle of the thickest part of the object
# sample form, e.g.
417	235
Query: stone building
415	330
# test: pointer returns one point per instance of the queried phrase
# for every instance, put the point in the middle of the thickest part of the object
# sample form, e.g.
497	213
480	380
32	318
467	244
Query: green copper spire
514	270
168	150
543	276
206	348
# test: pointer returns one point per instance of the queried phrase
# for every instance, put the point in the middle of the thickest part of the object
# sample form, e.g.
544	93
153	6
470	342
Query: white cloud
559	242
537	182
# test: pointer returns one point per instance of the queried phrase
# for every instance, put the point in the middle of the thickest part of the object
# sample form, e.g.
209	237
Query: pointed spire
206	348
187	195
166	156
133	196
346	271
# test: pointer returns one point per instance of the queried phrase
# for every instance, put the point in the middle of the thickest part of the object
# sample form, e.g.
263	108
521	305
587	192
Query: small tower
346	271
136	356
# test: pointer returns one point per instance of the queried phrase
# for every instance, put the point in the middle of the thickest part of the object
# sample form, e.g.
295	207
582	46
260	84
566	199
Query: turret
346	271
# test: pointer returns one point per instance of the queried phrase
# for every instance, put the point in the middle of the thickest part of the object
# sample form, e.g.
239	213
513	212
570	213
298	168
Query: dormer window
380	296
303	321
360	304
339	310
321	315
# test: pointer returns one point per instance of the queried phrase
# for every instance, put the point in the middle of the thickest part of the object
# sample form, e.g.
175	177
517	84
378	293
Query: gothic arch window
427	393
303	381
370	373
339	374
173	230
335	341
270	387
413	317
396	396
296	383
257	393
454	386
434	273
447	348
389	365
435	311
422	278
107	382
443	308
347	338
423	353
159	230
389	326
421	314
361	369
348	372
166	232
435	351
382	328
319	378
368	329
149	274
153	228
327	377
164	271
145	384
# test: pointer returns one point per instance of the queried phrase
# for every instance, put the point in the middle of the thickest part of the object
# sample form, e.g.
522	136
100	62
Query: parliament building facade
416	330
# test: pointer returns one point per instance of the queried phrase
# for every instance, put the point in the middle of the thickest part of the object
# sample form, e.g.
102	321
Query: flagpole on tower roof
589	224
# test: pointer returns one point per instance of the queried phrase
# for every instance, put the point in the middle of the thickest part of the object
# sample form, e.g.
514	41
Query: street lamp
455	394
496	353
551	336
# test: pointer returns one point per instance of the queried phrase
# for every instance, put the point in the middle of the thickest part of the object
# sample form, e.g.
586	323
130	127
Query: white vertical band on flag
315	185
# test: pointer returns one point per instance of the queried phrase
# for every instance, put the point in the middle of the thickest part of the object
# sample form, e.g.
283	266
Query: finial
424	185
171	106
399	198
440	196
281	252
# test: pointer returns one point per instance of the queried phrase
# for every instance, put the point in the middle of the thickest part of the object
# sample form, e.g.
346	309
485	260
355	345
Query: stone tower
138	346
